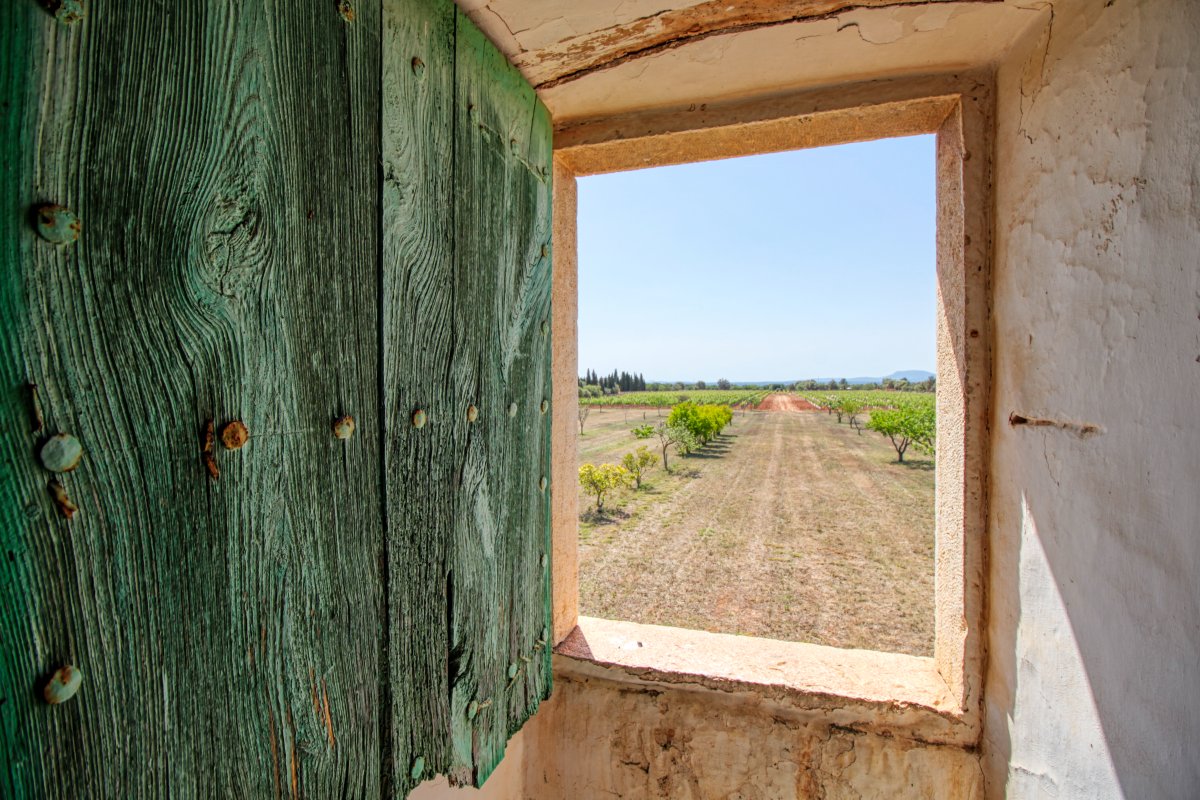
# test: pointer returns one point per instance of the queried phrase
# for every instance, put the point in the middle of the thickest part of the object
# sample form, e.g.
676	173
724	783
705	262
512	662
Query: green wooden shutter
290	212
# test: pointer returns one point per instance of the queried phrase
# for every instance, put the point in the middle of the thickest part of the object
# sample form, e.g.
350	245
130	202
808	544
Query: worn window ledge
888	693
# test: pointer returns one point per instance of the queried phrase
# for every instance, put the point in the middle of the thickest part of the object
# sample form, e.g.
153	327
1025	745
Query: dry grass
790	527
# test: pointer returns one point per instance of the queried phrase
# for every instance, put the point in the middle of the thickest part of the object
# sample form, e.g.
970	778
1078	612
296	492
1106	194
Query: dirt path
785	402
791	527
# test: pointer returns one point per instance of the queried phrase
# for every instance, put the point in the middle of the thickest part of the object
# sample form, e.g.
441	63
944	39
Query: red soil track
784	402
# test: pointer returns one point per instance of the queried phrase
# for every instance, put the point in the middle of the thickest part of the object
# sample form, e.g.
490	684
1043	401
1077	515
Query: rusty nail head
512	409
63	685
235	435
59	493
419	418
57	225
61	453
418	66
66	11
206	450
472	413
343	427
346	9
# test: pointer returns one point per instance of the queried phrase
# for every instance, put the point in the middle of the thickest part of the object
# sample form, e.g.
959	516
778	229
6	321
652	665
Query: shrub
637	462
600	480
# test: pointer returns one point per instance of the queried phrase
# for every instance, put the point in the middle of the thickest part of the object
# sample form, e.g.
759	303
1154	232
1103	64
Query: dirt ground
791	526
785	402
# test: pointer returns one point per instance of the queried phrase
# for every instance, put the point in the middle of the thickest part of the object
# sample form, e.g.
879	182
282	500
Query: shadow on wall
1094	612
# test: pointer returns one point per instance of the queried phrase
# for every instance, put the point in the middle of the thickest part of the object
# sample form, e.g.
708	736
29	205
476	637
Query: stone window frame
936	699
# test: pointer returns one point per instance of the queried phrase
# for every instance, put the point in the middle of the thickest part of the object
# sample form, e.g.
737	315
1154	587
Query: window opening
756	417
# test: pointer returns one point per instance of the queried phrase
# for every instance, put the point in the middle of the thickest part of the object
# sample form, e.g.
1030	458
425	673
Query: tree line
593	385
611	383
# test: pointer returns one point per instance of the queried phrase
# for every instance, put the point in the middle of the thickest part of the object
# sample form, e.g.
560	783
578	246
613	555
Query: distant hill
913	376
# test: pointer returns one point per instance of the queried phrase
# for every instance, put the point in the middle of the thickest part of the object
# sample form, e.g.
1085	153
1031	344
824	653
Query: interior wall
596	738
1093	607
1095	612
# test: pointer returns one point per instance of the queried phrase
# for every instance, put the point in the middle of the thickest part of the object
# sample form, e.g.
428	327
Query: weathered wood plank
327	615
466	153
222	158
502	176
27	535
595	50
421	464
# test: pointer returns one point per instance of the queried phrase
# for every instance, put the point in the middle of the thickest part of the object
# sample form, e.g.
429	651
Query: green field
736	398
870	398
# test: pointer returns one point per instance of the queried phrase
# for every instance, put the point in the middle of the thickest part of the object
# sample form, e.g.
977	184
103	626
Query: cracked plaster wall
602	740
1094	601
1094	682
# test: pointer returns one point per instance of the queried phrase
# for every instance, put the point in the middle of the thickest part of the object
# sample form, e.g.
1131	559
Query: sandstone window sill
887	693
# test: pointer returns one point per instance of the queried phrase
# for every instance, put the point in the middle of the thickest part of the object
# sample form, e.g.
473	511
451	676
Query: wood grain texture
421	465
466	154
287	217
223	159
503	143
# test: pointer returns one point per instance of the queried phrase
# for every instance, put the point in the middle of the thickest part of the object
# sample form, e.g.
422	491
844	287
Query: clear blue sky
814	263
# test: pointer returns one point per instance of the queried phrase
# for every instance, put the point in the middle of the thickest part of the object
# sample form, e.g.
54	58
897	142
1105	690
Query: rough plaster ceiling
592	58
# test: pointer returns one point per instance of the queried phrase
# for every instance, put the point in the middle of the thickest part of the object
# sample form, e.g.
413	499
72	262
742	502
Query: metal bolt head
58	225
235	435
418	768
346	9
61	453
419	418
472	413
63	685
343	427
512	409
545	405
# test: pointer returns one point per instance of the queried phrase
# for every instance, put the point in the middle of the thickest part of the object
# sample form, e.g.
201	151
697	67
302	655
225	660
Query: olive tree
673	435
